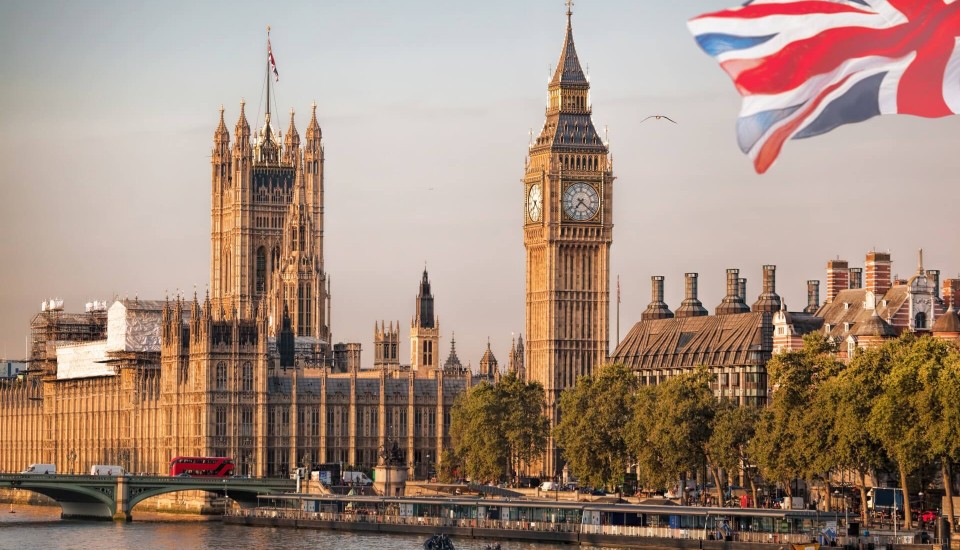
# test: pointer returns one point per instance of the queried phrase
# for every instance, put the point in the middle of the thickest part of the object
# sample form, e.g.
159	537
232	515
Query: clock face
581	201
535	202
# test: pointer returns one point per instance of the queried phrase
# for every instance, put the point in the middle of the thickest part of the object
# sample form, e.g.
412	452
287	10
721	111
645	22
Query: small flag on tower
273	63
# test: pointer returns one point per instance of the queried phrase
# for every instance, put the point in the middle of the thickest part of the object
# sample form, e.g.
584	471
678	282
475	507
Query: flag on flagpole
806	67
273	63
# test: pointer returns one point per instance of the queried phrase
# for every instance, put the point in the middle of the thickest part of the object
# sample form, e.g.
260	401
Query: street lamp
920	515
72	458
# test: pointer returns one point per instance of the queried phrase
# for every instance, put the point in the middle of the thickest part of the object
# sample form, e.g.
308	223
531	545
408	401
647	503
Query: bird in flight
658	117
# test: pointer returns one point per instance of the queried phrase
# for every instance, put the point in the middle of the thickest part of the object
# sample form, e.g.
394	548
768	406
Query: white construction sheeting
83	361
134	325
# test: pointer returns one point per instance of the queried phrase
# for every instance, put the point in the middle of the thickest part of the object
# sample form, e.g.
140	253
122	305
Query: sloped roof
568	70
874	326
848	307
948	322
725	340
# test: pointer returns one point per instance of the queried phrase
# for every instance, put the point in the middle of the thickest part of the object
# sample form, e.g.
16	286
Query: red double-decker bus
201	466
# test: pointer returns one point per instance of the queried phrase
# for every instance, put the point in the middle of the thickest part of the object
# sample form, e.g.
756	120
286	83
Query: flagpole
268	72
618	312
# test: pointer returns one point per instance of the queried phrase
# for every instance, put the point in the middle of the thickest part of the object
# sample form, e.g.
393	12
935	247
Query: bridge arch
75	501
246	499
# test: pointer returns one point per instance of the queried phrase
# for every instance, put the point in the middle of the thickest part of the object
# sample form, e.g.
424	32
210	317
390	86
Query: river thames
40	527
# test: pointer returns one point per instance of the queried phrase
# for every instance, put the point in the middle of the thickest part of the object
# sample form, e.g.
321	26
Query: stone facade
248	372
568	229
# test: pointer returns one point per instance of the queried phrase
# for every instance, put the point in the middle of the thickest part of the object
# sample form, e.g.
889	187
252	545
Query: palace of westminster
249	370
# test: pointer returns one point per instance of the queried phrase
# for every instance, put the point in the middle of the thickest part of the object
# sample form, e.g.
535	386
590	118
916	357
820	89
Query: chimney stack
742	289
951	292
732	303
856	277
813	296
878	272
838	278
934	276
769	301
658	308
691	306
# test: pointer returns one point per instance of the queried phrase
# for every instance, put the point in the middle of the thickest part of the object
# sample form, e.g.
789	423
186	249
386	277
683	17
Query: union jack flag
805	67
273	63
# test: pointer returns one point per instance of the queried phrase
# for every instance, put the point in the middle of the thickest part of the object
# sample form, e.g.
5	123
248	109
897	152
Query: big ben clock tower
568	228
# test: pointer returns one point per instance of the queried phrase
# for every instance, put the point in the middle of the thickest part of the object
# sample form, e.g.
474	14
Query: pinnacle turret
242	130
291	149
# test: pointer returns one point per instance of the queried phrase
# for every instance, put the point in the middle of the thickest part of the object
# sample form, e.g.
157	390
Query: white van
40	469
356	478
549	486
106	470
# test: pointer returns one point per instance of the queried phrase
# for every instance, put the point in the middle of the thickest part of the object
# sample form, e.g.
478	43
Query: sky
107	114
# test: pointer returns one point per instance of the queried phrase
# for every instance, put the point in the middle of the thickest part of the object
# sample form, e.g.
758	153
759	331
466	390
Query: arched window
247	376
221	376
261	276
920	321
294	240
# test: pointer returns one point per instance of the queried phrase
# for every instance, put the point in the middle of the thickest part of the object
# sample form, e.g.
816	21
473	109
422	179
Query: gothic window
261	277
226	273
303	246
247	376
920	321
294	240
246	422
221	425
221	376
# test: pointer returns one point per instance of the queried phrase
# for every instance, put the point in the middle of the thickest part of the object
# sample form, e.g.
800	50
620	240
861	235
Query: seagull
658	117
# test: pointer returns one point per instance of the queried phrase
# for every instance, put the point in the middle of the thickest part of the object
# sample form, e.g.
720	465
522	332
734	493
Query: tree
684	416
733	429
792	434
496	427
944	430
591	431
478	441
937	367
901	415
850	396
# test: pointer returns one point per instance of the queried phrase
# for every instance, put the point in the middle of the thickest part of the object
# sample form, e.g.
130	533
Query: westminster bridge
107	497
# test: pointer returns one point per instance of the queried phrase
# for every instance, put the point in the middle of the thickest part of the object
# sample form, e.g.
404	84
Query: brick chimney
878	272
658	308
769	301
856	277
813	296
951	292
732	302
934	276
691	306
838	278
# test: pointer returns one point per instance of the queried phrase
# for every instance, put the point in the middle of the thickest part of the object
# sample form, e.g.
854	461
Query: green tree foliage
793	435
908	415
682	422
849	398
592	417
733	429
494	427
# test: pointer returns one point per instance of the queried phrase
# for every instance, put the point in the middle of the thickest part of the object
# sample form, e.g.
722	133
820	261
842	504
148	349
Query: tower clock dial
535	202
581	201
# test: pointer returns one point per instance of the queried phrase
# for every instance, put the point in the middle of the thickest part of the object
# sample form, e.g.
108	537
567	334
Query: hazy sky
108	110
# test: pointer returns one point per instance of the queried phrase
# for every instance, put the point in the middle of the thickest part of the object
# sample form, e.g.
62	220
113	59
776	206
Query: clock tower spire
567	229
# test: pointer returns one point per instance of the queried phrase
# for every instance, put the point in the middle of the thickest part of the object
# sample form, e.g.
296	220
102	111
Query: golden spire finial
268	29
569	8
